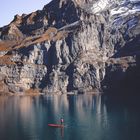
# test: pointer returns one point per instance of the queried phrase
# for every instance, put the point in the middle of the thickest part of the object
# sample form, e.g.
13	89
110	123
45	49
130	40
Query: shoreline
45	94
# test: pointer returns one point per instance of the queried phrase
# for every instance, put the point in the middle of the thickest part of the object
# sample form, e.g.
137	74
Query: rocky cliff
71	46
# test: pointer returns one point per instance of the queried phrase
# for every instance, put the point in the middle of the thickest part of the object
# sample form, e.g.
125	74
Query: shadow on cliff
119	82
50	60
69	72
56	10
131	48
124	82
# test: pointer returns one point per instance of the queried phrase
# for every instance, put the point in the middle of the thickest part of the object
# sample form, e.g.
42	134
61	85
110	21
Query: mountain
72	46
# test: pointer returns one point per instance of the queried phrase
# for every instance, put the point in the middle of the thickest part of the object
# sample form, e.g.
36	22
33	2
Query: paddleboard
56	125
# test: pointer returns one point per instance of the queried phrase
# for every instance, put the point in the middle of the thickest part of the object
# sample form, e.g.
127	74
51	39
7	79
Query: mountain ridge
65	48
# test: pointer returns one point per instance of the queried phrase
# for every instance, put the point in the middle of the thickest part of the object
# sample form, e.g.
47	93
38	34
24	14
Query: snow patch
126	7
99	6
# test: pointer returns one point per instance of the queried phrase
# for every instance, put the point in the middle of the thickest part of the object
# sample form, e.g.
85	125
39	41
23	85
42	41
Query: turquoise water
86	117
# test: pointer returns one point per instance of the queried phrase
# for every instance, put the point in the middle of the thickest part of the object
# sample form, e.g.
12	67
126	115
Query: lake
86	117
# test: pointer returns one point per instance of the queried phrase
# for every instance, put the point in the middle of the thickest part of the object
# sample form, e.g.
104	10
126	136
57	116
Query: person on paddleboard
62	121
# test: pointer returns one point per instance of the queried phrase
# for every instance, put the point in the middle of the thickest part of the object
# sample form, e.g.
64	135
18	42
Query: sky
9	8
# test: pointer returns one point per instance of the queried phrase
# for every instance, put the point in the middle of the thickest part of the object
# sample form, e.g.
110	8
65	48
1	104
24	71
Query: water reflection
85	117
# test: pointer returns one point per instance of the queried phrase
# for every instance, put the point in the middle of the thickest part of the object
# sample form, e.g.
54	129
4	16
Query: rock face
71	46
